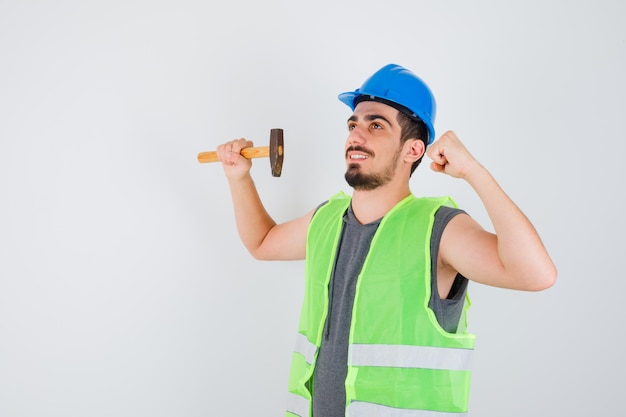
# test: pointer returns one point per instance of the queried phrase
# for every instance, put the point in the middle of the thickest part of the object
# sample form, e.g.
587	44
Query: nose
356	136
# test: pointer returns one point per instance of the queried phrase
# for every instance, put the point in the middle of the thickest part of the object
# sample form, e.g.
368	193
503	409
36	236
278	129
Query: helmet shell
398	85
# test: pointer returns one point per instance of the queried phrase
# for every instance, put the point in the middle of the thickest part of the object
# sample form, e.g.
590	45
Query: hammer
274	151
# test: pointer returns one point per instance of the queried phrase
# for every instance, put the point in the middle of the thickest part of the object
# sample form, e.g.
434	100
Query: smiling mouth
357	153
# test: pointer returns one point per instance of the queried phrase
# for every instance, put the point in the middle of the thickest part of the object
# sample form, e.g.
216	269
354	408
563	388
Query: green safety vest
400	361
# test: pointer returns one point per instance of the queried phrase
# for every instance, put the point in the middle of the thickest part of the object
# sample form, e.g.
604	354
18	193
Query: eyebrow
370	117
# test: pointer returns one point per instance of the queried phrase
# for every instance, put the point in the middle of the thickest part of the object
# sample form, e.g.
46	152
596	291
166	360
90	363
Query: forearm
253	221
522	254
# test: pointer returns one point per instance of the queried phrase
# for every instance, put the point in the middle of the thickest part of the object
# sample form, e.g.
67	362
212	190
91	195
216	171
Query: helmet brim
348	98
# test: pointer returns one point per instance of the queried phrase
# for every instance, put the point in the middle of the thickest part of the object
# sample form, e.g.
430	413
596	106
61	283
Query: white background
124	290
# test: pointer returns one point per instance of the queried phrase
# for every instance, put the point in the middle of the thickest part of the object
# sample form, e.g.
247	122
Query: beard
367	182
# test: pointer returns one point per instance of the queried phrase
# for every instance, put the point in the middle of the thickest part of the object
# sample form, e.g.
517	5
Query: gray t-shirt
329	394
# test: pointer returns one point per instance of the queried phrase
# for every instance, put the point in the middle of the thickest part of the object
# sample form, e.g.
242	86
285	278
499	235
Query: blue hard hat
396	84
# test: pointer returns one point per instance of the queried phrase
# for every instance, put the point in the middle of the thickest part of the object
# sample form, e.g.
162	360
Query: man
382	330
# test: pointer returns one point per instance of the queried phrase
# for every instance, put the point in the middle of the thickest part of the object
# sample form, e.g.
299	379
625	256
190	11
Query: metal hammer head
276	151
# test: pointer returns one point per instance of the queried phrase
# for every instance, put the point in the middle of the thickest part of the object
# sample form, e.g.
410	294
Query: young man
382	330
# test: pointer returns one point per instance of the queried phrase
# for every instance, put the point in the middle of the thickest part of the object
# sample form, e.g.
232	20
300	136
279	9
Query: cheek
395	148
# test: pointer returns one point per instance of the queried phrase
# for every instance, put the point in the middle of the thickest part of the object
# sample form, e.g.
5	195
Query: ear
414	150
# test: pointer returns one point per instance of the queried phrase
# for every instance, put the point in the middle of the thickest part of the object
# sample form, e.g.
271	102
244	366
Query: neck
371	205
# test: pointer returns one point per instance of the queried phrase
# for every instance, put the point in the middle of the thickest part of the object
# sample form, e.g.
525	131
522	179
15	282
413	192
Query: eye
351	126
376	126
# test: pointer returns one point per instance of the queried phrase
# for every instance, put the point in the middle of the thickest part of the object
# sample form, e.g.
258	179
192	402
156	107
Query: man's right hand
235	165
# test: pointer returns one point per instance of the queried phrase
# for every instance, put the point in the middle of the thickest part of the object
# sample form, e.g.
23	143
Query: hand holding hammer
275	151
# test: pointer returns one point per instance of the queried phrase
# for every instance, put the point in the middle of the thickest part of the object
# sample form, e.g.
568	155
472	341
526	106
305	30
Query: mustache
359	148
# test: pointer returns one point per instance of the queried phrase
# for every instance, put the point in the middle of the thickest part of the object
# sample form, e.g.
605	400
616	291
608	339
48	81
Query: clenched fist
235	166
451	157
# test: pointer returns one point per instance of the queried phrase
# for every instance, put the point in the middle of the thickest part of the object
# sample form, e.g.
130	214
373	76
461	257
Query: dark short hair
412	128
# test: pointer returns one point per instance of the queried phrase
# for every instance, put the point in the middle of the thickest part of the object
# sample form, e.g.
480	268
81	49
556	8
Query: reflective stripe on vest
401	356
305	348
363	409
298	405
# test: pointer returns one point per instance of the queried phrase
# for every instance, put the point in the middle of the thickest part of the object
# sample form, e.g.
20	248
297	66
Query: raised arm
263	238
514	257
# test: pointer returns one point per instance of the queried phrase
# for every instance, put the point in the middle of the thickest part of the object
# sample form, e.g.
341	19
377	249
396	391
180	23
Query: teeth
358	157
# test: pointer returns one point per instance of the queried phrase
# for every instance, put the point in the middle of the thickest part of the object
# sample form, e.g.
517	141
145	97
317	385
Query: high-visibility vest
400	362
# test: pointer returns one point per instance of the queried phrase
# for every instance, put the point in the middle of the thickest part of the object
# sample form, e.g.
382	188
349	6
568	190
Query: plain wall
124	289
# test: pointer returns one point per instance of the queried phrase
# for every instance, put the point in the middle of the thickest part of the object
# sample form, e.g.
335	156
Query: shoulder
446	213
443	216
338	202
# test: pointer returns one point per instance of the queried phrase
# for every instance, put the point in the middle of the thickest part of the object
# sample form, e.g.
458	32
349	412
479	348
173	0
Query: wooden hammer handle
258	152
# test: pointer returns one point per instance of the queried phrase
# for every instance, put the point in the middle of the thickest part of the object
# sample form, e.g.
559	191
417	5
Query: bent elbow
262	253
544	279
257	254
